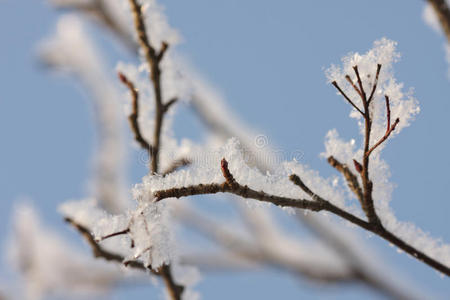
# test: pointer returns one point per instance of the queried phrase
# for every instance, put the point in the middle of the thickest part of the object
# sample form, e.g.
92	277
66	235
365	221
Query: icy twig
134	116
318	204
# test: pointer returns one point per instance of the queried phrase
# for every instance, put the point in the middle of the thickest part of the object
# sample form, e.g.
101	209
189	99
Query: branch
169	104
177	164
389	128
98	250
443	13
346	97
298	182
153	59
352	180
134	116
233	187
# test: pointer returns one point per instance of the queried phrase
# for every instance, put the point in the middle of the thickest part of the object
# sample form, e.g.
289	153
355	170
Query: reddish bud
358	166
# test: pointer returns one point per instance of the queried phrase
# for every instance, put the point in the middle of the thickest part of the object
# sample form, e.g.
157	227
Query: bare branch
122	232
347	77
374	87
297	181
346	97
169	104
361	88
134	116
389	128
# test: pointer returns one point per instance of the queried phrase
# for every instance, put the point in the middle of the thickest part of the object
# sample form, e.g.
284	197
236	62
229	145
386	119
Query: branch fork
364	195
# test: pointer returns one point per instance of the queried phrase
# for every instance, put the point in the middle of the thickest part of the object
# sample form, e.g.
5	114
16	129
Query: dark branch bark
134	116
443	12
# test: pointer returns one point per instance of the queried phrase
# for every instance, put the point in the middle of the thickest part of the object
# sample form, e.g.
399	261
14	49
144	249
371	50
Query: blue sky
267	58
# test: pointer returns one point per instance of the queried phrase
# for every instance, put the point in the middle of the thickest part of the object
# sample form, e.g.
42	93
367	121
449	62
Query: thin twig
374	87
169	104
153	59
346	97
297	181
133	118
353	85
177	164
361	88
389	128
122	232
388	113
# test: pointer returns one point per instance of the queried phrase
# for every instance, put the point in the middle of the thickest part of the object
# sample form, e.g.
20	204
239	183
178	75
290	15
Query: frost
50	265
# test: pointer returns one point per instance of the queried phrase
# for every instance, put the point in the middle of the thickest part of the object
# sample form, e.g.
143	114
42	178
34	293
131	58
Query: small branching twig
374	87
364	195
153	59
